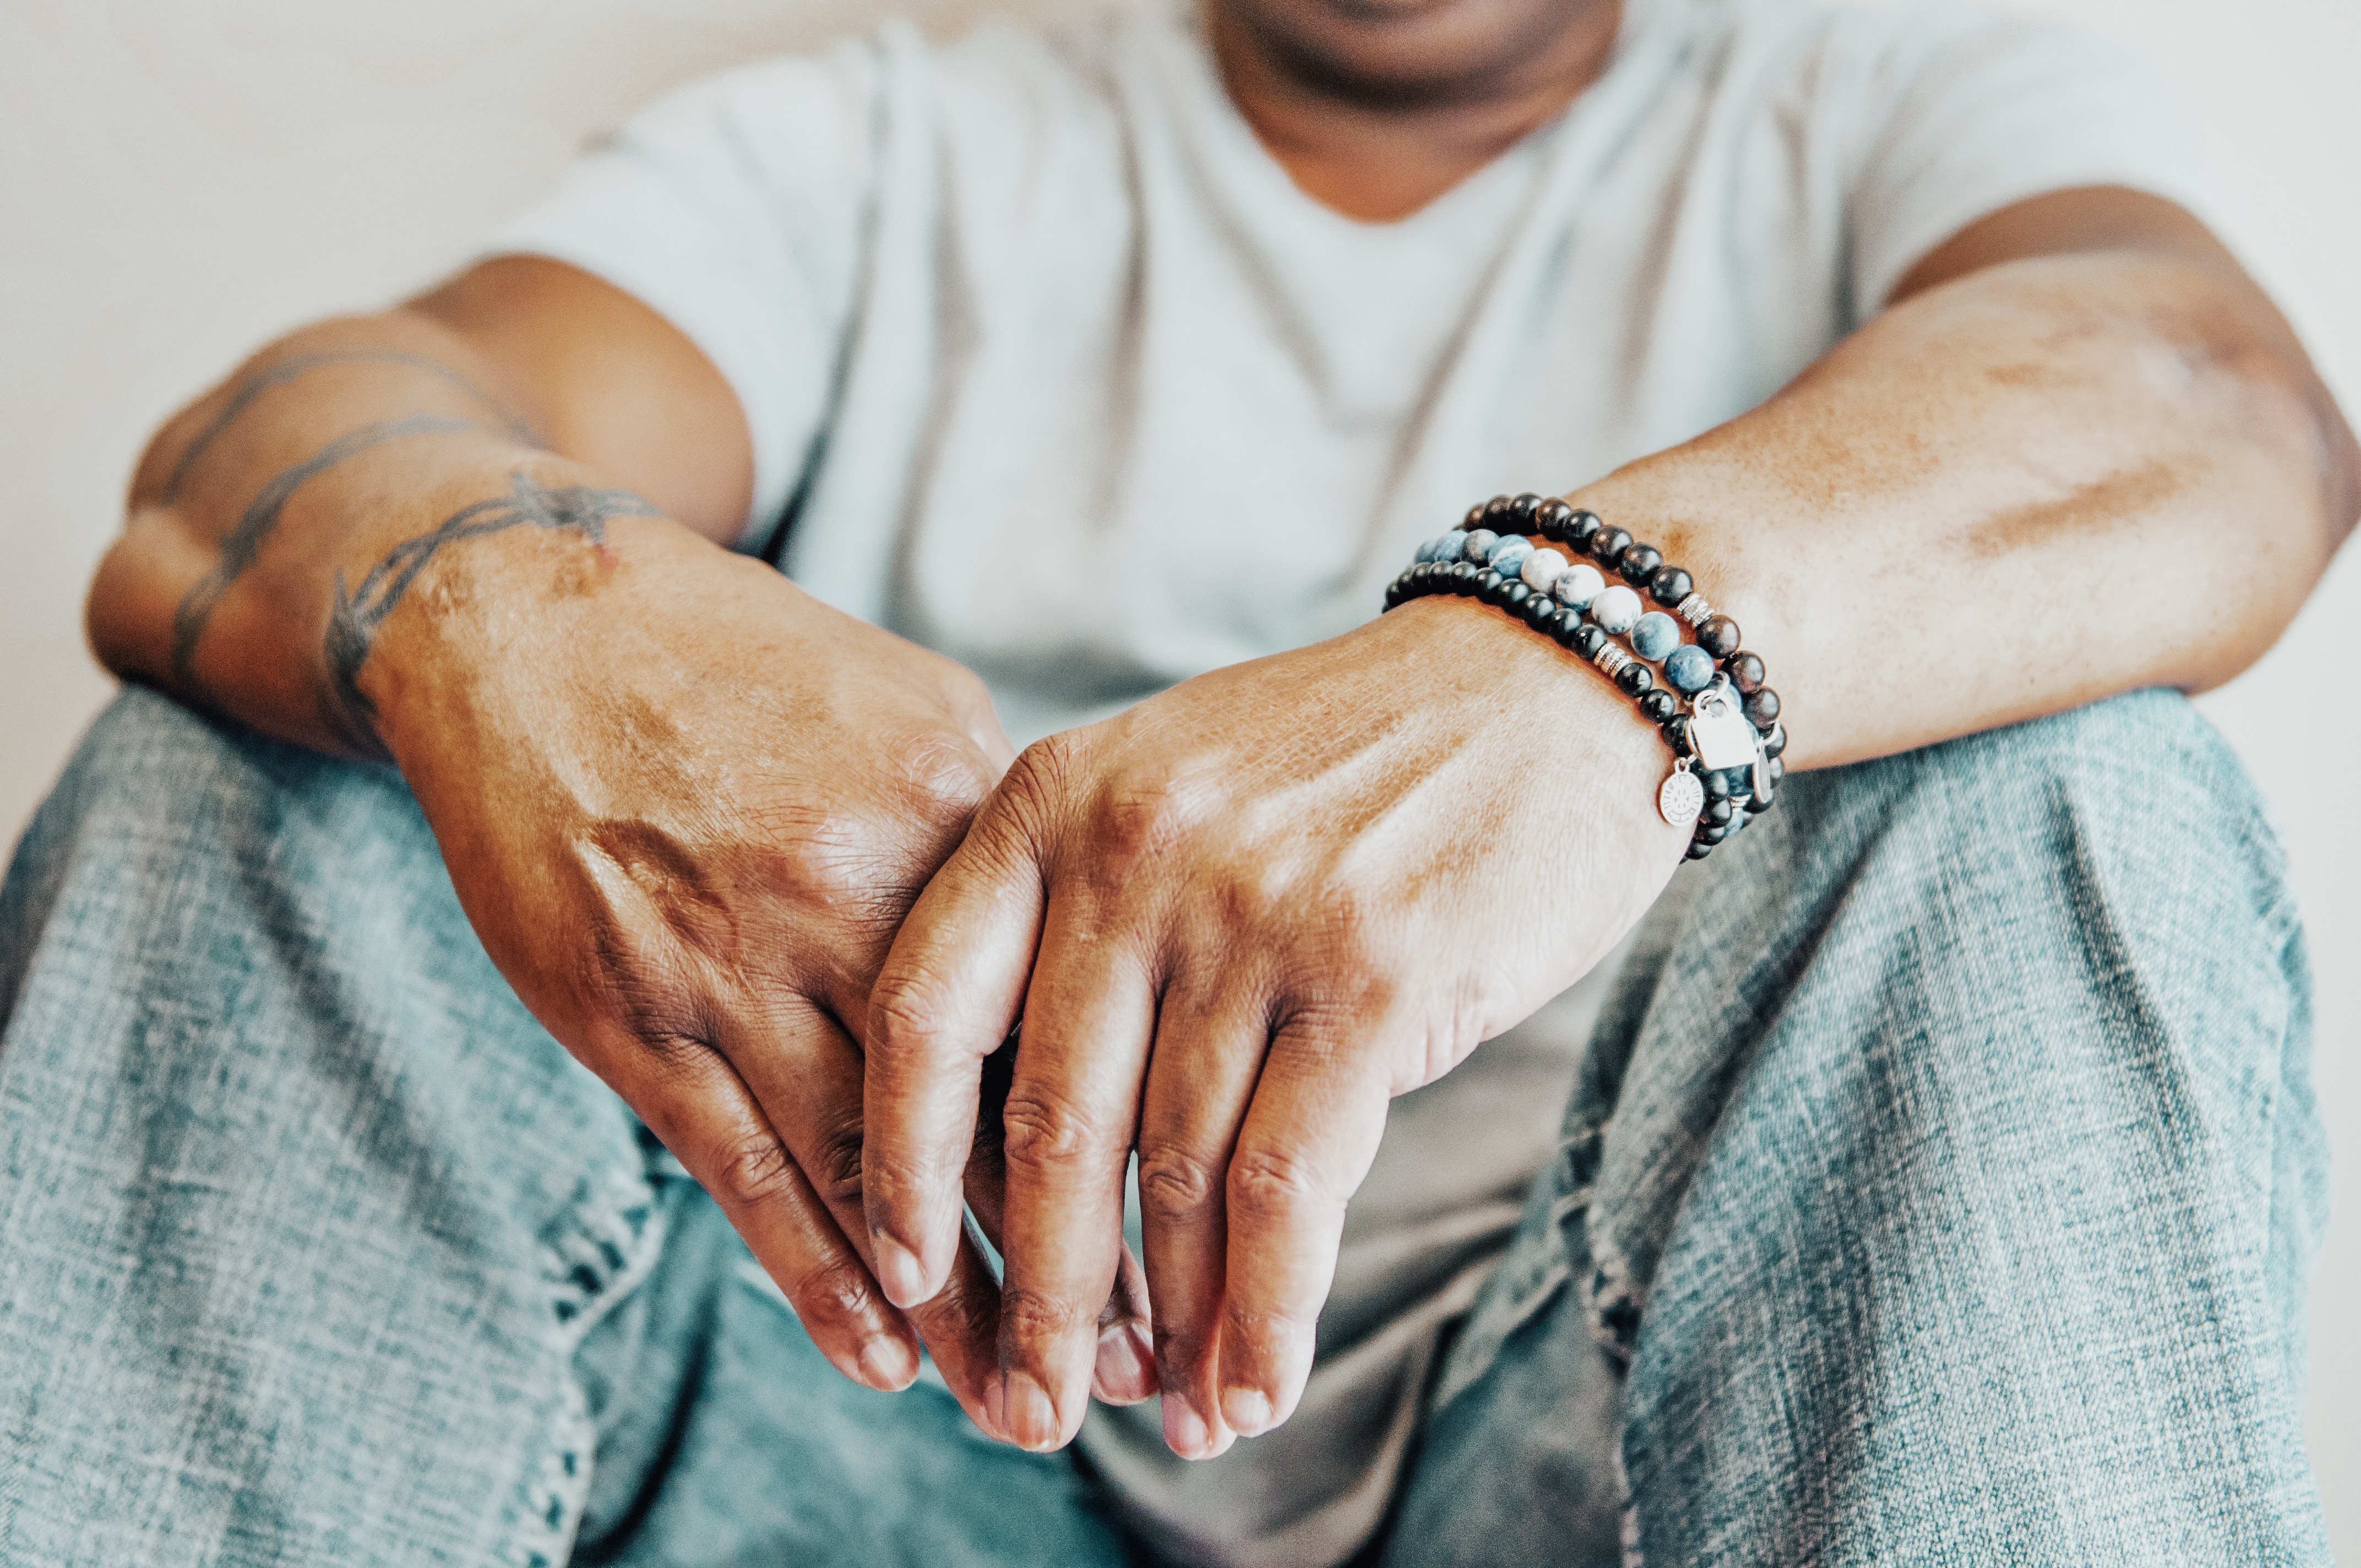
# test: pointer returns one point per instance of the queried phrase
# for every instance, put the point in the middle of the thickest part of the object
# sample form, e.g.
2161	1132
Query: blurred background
181	180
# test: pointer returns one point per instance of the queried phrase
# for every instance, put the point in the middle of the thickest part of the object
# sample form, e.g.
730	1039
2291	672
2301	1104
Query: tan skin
1258	905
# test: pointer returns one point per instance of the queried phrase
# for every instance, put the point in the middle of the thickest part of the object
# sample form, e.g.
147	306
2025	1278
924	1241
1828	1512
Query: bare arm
684	804
2081	454
333	448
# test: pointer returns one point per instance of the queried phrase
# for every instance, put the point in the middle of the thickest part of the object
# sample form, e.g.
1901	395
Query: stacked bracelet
1716	712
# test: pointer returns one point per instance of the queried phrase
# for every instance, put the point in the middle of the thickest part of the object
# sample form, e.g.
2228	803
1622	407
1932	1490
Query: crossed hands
779	879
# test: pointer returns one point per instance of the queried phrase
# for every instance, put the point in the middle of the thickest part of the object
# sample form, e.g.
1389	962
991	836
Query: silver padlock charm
1719	732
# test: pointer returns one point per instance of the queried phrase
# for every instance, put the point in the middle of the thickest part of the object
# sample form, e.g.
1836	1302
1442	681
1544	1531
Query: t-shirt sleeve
735	208
1968	108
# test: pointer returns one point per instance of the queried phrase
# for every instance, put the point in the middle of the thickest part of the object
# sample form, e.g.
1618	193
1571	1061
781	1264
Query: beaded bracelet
1726	742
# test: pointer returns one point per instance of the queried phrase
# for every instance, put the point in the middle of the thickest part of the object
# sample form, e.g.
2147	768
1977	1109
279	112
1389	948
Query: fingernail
1184	1429
898	1274
1245	1409
887	1364
1028	1418
1125	1373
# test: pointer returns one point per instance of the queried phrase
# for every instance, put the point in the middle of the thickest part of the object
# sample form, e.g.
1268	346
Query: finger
944	1002
693	1100
806	1073
1124	1370
1209	1052
1307	1142
1072	1107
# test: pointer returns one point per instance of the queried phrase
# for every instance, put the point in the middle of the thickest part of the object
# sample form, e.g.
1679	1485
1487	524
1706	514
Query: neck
1375	110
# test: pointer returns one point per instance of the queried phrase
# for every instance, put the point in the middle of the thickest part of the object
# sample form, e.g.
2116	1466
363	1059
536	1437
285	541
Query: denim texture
1939	1187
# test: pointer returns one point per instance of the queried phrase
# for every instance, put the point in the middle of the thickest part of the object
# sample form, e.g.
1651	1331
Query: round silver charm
1681	798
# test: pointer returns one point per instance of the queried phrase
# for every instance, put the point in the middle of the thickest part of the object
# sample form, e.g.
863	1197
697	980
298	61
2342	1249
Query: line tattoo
244	541
297	366
355	616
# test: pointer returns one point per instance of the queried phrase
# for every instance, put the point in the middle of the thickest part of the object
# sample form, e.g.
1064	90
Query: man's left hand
1235	921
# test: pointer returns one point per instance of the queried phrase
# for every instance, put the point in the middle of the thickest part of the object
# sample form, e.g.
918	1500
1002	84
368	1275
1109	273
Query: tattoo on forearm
244	396
261	515
355	616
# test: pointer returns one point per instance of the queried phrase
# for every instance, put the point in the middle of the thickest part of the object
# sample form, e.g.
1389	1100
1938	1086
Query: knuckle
835	1172
1176	1183
755	1171
1267	1183
1041	1132
1030	1315
907	1010
837	1292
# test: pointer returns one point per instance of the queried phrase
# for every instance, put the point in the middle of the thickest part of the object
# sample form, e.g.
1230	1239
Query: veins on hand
355	615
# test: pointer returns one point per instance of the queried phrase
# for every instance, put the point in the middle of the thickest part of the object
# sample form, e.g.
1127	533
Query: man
1938	1183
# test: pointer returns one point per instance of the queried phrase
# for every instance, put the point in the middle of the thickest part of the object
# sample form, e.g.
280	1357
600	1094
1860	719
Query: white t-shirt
1048	366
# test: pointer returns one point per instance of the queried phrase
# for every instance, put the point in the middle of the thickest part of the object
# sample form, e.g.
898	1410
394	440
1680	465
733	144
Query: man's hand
686	811
1237	919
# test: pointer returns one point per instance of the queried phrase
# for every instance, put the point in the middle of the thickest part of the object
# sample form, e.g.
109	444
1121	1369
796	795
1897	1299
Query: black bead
1697	851
1719	636
1518	591
1522	510
1639	563
1634	678
1490	586
1669	586
1712	833
1537	611
1676	733
1658	706
1762	707
1552	518
1717	786
1776	769
1588	641
1609	543
1566	626
1716	812
1775	742
1497	515
1475	518
1393	595
1762	802
1745	671
1581	528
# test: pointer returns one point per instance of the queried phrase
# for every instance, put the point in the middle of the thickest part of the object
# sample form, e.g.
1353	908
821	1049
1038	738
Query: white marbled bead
1578	585
1479	547
1615	610
1542	569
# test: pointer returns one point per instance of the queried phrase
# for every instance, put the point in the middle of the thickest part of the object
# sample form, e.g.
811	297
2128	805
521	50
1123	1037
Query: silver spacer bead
1611	659
1695	610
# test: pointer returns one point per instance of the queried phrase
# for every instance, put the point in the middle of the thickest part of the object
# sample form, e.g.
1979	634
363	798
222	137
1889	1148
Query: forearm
2036	486
277	523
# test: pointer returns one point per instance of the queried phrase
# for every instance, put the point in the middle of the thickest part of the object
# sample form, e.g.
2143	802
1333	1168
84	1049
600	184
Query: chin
1412	49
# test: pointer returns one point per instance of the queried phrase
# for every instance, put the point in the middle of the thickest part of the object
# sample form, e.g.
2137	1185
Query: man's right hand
686	806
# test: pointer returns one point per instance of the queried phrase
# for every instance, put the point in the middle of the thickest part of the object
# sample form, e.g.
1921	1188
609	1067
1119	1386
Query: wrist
499	632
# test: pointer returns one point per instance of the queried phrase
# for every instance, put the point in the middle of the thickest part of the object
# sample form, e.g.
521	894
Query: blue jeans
1939	1187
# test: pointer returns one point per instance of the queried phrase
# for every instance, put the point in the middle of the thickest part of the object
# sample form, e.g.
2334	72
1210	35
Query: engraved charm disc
1681	797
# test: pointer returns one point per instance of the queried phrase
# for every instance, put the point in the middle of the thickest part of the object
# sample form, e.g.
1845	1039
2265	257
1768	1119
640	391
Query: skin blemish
2095	507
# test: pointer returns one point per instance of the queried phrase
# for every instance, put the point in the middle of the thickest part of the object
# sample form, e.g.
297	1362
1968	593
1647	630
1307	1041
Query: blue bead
1690	669
1508	557
1477	547
1447	548
1654	635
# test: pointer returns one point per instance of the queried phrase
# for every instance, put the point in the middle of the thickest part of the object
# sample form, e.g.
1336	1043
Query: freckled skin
688	807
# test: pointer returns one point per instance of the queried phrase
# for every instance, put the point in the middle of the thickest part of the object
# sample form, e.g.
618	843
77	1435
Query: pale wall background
181	179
